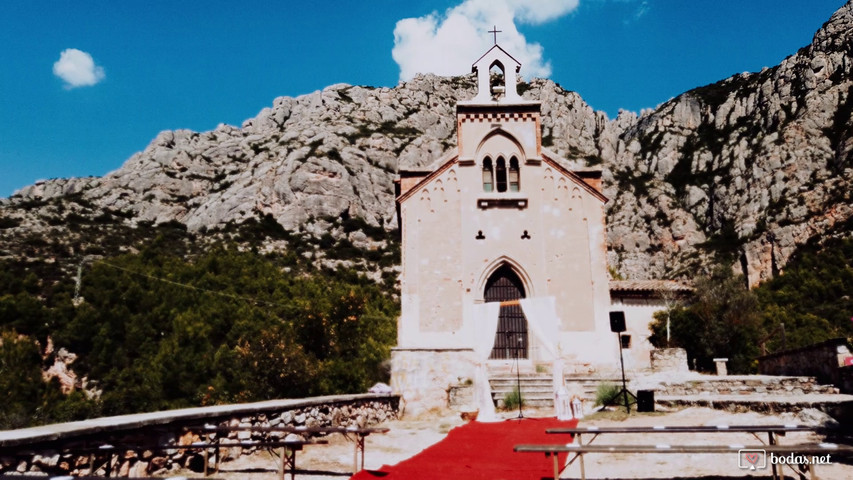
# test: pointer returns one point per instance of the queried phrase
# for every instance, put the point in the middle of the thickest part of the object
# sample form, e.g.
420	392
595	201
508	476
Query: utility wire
172	282
191	287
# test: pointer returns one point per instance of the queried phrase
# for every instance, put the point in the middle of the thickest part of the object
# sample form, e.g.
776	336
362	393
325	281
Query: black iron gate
511	336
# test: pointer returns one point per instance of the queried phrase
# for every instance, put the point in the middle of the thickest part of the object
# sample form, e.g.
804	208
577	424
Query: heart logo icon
752	459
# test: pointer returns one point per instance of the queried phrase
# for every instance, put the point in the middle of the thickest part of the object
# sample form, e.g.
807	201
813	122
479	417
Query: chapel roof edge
443	163
551	159
496	46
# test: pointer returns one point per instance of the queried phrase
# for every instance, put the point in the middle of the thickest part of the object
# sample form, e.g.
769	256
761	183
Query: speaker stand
624	393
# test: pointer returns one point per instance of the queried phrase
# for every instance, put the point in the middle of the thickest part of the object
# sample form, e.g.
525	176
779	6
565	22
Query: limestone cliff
750	167
744	170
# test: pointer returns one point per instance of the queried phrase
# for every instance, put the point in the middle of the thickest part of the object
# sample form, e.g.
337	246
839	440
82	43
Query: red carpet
481	451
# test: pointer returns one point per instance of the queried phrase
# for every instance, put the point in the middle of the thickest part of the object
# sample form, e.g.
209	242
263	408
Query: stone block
669	360
423	377
139	469
158	463
461	395
722	371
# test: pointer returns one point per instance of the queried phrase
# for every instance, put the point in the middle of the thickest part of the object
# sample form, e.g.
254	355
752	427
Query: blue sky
162	65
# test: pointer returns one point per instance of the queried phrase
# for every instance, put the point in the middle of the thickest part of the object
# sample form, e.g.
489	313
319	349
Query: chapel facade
503	252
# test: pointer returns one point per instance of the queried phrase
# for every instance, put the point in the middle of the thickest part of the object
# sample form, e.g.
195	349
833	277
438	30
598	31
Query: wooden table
358	436
802	449
288	452
772	431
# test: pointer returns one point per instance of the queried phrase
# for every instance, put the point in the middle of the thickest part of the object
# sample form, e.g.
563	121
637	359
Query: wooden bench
358	436
772	431
803	449
287	458
288	451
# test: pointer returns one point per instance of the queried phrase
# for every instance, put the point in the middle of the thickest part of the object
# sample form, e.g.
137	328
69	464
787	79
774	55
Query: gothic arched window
488	175
513	175
500	174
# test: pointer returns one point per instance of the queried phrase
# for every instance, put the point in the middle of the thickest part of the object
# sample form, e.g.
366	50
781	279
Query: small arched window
488	175
500	174
513	175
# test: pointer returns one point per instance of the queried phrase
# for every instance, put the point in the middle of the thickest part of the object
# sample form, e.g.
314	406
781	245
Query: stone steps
537	389
837	405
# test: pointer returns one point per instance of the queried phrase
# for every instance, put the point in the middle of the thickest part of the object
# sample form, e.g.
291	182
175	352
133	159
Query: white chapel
503	253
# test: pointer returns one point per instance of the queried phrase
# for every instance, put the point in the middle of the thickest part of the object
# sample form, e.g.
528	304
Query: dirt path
408	437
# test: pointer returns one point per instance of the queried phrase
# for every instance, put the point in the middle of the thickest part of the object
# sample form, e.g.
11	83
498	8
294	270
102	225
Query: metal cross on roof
495	31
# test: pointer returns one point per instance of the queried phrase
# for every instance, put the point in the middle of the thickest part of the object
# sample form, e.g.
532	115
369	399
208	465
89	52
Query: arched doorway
511	337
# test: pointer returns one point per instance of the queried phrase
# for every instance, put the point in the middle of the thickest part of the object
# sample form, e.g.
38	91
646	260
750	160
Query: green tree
159	330
275	366
722	321
813	297
20	378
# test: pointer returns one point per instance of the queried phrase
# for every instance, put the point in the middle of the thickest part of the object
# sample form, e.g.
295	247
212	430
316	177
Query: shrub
242	328
513	399
606	391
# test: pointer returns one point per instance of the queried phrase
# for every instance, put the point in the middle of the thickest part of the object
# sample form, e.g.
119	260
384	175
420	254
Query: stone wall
668	360
746	385
822	361
64	449
424	377
461	396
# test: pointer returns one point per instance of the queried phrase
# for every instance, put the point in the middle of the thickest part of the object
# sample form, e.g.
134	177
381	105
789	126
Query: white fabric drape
541	314
542	321
485	326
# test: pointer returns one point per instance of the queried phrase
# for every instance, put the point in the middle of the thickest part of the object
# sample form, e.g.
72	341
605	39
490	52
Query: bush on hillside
157	331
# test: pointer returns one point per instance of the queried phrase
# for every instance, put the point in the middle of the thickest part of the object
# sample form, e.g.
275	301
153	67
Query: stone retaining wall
839	411
822	360
424	377
64	449
745	385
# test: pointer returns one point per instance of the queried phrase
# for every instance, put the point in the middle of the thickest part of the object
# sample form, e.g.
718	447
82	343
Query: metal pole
622	363
518	379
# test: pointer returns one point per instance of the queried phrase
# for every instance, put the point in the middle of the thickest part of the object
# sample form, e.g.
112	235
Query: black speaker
617	322
645	400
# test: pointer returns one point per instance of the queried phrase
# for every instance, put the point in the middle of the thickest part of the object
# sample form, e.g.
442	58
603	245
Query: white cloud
77	69
448	43
639	13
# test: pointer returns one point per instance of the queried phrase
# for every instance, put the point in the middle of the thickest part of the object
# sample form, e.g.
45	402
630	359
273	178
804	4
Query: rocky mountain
750	167
744	171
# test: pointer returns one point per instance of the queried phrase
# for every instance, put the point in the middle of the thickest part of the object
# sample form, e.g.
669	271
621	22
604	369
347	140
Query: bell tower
502	92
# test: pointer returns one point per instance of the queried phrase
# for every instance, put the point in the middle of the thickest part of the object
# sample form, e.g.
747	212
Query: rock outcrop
751	167
744	171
